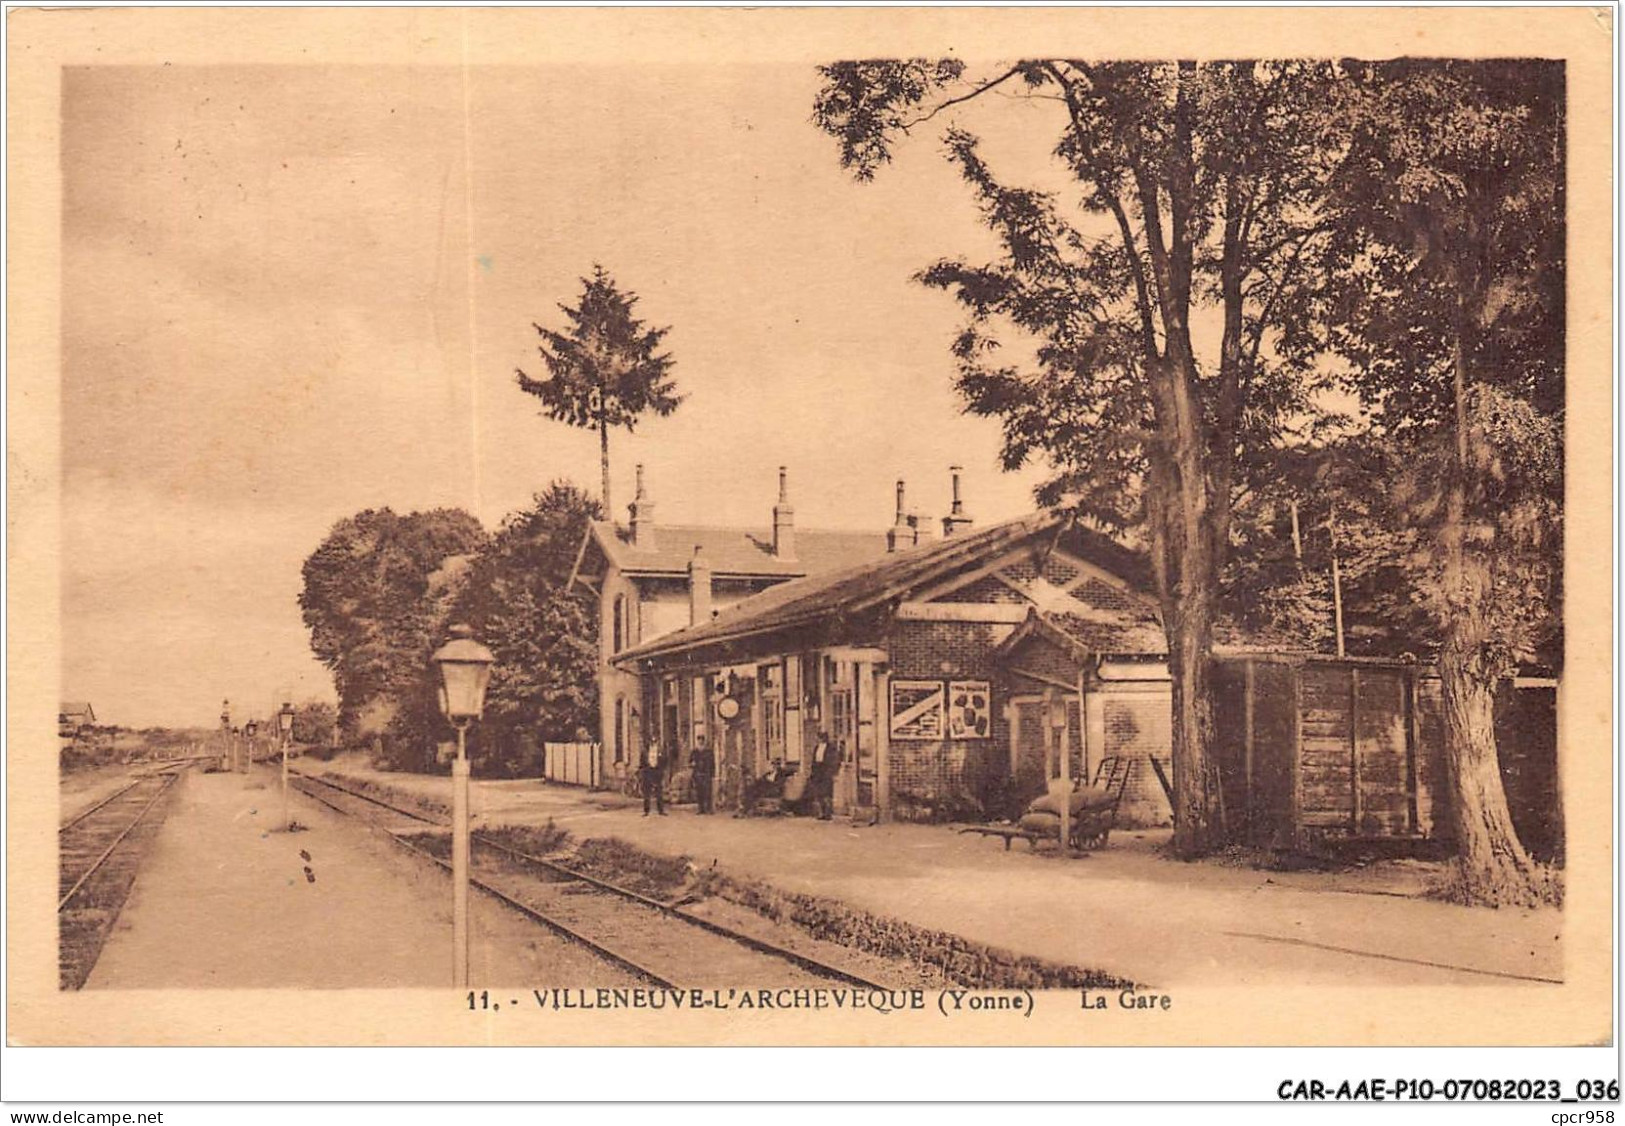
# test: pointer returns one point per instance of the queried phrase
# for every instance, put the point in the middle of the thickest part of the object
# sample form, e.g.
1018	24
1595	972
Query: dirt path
224	900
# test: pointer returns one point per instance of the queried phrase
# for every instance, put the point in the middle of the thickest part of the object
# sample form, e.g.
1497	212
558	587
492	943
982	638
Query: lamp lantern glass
250	728
284	719
465	670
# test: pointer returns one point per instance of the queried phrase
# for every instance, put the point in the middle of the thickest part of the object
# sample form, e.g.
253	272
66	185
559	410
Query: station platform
225	898
1127	909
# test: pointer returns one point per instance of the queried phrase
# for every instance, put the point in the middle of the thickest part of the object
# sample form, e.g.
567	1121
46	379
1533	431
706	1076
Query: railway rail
99	851
659	942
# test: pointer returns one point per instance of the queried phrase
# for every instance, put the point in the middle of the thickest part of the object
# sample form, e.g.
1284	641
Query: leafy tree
314	722
542	634
415	724
1328	510
606	370
373	598
1154	317
1447	296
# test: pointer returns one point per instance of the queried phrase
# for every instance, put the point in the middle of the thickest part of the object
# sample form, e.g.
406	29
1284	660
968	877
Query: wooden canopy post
1055	732
1083	728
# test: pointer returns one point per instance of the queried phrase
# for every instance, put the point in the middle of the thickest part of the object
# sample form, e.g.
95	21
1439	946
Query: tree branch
976	93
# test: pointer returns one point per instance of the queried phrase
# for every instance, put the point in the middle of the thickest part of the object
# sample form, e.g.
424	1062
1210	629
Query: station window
770	677
620	729
699	709
617	629
668	713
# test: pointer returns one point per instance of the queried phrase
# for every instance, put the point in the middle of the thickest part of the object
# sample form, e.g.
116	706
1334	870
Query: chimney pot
784	521
900	535
699	589
643	515
957	517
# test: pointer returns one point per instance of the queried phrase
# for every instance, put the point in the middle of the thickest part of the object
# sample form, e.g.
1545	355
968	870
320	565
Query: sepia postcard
757	527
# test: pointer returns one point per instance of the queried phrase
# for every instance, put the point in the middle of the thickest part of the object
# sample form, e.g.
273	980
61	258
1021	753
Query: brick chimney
957	517
899	535
643	515
925	530
784	522
699	589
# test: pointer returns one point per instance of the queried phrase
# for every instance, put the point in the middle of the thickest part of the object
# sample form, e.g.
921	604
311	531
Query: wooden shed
1313	747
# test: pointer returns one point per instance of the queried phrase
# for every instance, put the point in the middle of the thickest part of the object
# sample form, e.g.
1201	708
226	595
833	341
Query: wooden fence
574	764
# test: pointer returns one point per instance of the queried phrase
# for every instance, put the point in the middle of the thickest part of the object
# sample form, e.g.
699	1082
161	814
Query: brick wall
1105	596
1042	656
983	591
943	778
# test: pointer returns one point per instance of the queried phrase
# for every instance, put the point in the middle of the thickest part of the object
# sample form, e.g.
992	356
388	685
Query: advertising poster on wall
917	708
970	711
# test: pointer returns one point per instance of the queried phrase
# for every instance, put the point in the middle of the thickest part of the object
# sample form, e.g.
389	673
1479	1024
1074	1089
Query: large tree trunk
1184	545
1493	868
1198	809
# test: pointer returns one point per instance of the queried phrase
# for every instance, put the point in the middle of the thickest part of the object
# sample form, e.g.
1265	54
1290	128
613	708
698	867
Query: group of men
702	765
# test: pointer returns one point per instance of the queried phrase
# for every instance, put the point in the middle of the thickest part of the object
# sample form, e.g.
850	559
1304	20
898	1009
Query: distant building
74	717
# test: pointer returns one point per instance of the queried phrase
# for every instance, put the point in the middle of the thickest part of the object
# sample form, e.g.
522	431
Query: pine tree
605	371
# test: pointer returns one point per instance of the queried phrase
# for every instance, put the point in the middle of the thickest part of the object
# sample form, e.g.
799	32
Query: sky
293	293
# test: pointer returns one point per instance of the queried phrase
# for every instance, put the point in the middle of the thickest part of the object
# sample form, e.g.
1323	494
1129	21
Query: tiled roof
74	709
851	589
736	551
1115	632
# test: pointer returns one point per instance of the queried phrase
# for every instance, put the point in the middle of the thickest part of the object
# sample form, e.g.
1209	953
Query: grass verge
394	795
957	960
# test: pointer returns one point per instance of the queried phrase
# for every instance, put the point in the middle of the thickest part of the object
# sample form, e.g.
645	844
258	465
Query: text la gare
1131	999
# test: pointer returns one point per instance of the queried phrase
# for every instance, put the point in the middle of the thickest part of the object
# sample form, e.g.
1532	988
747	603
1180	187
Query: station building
956	671
922	656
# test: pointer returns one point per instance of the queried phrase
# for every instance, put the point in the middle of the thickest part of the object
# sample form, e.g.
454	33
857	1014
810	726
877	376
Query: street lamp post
465	670
284	720
225	733
250	729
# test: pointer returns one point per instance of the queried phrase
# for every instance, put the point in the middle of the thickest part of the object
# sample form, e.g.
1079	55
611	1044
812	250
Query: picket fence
574	764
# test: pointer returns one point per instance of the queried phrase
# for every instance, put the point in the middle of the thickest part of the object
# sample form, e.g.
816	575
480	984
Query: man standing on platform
826	762
651	772
702	760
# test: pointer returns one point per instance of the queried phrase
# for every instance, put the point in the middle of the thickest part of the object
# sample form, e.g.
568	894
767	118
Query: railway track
659	942
99	851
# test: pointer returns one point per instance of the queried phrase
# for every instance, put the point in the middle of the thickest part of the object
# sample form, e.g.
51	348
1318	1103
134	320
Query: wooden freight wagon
1312	748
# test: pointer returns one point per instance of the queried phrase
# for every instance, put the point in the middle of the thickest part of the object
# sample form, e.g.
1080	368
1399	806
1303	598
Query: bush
619	862
958	960
536	841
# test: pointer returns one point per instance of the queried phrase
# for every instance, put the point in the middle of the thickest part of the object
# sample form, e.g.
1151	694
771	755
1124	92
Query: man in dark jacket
651	772
702	760
826	763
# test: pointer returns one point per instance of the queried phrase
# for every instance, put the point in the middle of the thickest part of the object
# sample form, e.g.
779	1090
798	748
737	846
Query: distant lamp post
225	733
465	670
284	723
249	730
